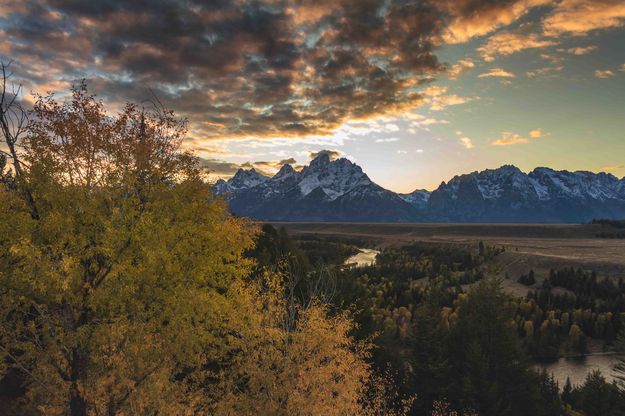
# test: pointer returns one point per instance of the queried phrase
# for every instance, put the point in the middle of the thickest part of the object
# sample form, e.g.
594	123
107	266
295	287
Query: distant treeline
609	223
618	224
555	321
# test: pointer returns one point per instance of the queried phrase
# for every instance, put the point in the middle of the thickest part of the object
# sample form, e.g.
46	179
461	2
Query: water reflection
578	368
365	257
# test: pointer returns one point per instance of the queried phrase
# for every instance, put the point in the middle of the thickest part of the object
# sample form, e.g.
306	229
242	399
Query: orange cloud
497	73
440	102
535	134
578	17
613	168
581	50
459	67
604	73
545	71
465	25
510	139
507	43
467	143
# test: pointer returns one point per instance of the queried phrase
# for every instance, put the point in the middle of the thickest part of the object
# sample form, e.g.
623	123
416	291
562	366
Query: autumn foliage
124	288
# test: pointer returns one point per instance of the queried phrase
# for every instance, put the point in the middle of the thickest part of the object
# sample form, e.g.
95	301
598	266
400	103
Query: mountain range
338	190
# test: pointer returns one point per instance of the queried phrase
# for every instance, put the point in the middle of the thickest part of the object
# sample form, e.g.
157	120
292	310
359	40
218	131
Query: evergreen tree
567	392
619	367
487	357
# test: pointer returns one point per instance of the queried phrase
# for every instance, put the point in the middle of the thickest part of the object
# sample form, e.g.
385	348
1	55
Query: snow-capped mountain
418	198
323	191
340	191
544	195
243	179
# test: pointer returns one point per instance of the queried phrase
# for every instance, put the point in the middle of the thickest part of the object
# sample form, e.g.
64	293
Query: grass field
538	247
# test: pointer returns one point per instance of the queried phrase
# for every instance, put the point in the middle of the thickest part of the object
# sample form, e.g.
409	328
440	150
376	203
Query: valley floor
535	246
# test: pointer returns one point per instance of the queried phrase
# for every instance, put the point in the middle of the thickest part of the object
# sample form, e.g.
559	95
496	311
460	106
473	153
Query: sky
414	91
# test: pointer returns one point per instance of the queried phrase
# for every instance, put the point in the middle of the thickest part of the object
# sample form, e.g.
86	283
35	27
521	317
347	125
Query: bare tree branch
13	125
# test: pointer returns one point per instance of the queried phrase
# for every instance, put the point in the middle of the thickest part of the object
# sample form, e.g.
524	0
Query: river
577	368
574	368
365	257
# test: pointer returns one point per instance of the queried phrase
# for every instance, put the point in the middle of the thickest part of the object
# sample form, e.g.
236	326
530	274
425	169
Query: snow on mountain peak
580	184
242	179
418	198
338	189
284	172
335	178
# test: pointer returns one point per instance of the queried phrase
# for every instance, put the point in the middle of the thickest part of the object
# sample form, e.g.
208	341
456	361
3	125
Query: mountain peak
328	190
246	179
285	170
322	159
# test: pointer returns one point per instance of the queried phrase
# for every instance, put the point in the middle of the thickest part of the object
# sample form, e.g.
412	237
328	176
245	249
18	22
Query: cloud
440	102
238	68
508	43
460	67
271	167
467	142
497	73
471	18
434	90
537	133
547	71
423	123
219	168
437	98
510	139
604	73
250	68
333	154
578	17
554	59
613	168
431	120
581	50
222	169
402	152
388	140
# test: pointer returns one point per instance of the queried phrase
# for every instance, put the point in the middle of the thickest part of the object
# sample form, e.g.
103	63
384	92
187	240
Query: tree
619	367
130	291
596	397
14	122
430	368
115	294
567	392
309	367
487	358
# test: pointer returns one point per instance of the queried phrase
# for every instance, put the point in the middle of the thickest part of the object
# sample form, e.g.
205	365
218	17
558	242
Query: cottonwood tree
114	293
124	288
14	122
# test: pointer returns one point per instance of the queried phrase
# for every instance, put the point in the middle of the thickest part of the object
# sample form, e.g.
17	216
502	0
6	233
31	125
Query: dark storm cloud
240	67
222	168
219	167
278	163
332	154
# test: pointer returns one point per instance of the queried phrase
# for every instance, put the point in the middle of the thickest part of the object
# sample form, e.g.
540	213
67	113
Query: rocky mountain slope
340	191
323	191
